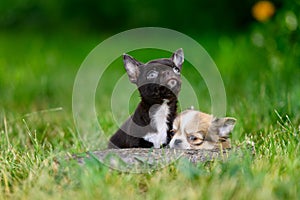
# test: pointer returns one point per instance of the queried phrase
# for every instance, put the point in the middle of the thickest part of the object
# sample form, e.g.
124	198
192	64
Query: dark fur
153	94
141	117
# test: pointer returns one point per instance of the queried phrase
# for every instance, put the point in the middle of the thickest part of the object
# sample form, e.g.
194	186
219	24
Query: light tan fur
197	130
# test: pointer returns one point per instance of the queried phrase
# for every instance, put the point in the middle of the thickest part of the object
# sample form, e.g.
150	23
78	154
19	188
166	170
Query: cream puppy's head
197	130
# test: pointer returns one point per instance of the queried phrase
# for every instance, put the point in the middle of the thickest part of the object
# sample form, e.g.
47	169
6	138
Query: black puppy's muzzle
170	89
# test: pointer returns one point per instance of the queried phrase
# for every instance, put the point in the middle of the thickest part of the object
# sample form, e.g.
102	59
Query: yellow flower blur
263	10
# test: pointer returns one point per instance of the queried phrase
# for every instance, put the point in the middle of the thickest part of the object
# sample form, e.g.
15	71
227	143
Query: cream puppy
197	130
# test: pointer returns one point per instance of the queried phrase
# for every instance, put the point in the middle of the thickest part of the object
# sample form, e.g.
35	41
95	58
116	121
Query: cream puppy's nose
177	142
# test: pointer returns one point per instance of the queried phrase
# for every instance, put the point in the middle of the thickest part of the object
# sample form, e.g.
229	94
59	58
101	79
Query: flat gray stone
143	160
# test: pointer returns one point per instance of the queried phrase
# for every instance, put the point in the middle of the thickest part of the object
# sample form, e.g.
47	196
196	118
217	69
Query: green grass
36	124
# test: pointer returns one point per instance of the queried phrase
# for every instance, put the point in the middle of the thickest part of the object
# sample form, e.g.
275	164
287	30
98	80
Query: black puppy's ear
178	58
132	67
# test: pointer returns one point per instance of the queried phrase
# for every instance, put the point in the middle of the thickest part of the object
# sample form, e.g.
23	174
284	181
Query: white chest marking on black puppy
159	120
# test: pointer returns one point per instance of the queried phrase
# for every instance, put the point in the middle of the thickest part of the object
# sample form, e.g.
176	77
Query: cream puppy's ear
223	126
227	127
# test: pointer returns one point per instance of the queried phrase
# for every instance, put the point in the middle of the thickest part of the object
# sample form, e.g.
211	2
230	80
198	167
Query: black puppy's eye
176	70
152	74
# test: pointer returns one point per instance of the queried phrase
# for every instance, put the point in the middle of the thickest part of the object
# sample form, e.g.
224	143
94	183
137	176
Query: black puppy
159	83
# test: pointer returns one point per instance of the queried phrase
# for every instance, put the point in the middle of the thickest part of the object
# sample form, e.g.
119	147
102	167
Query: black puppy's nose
177	141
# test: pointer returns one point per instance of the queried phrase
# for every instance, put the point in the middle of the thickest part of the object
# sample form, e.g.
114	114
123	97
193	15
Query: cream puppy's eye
195	139
176	70
172	132
152	74
192	138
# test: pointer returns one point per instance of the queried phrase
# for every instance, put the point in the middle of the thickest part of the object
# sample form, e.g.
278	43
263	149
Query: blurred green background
257	52
255	46
106	16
